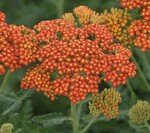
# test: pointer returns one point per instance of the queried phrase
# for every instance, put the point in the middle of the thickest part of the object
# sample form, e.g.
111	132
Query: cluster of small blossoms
140	4
145	13
64	30
120	68
106	103
140	112
56	30
2	24
140	30
116	22
71	60
17	46
2	17
79	55
37	78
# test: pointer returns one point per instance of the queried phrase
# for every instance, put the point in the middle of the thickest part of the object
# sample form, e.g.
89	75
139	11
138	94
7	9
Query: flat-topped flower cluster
81	55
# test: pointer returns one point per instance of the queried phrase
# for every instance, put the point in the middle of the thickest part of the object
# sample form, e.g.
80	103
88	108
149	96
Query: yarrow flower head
2	17
78	56
139	30
120	57
140	112
144	5
17	46
106	103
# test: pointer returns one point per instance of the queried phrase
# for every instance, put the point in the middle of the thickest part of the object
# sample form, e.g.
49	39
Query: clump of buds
81	16
106	103
116	22
140	112
83	13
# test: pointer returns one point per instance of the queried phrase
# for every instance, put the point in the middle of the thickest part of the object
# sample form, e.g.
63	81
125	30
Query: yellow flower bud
107	103
140	112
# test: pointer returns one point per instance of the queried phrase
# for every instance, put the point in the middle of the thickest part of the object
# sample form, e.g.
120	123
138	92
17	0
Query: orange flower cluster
78	56
55	30
120	68
116	21
2	17
144	4
106	103
145	13
140	30
2	24
17	46
37	78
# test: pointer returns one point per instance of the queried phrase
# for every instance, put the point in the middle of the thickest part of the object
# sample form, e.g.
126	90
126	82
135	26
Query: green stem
5	81
141	73
74	118
79	110
133	97
147	126
88	125
130	88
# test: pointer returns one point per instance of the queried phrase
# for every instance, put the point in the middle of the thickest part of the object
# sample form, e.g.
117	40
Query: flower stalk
88	125
141	73
74	117
147	126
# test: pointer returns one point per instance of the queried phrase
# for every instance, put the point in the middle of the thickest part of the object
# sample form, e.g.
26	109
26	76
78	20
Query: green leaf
16	105
139	128
7	98
26	111
13	108
50	119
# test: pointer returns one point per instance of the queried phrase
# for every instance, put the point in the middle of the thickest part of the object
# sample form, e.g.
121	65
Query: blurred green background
31	12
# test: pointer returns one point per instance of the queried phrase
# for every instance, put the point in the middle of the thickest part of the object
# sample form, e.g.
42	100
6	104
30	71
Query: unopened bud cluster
117	21
106	103
140	112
